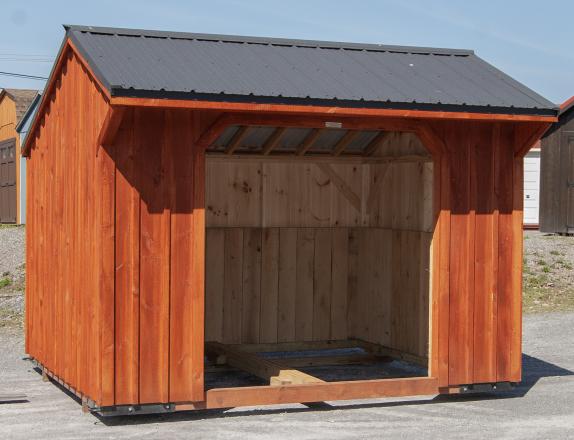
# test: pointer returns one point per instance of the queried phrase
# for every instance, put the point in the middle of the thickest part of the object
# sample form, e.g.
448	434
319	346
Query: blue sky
530	40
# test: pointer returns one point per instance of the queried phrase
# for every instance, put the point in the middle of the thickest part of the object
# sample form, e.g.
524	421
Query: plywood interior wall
318	249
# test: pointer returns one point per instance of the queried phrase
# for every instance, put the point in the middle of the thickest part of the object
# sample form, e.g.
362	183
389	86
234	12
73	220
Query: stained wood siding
115	252
64	236
556	172
295	284
479	279
159	254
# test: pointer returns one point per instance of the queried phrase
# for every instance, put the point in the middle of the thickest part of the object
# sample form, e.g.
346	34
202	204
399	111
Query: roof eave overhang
228	103
330	108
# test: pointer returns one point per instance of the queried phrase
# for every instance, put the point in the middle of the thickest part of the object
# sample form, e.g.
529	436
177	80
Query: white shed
532	187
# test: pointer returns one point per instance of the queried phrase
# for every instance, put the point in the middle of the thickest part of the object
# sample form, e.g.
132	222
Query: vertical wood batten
505	253
186	258
107	274
154	257
127	266
461	258
485	264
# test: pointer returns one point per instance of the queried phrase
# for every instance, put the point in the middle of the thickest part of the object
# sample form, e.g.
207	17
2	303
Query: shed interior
317	255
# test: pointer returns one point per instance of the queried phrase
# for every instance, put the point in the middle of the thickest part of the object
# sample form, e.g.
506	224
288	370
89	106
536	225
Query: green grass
9	225
5	282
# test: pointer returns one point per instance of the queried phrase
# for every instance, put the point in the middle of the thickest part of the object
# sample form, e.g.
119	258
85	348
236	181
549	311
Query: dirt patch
548	272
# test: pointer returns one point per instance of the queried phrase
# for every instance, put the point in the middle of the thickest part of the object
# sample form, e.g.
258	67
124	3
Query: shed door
568	146
531	187
8	181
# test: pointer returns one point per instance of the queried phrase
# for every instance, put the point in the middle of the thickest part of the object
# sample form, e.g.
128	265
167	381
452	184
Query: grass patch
6	281
9	225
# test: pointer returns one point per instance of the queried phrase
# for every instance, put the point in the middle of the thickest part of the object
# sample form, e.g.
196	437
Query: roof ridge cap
268	40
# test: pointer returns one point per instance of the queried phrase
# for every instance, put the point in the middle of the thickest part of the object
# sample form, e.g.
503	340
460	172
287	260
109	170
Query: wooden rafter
381	137
341	185
215	129
309	141
273	140
236	140
266	369
529	138
110	126
344	142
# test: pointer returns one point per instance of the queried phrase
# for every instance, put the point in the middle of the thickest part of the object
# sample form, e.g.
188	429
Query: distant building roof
30	111
140	63
567	105
22	98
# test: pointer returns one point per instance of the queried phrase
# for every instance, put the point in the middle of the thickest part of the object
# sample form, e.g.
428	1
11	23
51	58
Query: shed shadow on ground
534	369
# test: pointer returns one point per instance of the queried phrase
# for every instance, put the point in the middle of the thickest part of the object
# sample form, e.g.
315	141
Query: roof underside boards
136	63
292	139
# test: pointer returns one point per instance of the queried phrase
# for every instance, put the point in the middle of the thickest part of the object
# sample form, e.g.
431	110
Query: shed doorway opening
317	256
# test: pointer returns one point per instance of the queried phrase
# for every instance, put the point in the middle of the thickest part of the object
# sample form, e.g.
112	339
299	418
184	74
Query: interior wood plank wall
397	195
64	236
324	283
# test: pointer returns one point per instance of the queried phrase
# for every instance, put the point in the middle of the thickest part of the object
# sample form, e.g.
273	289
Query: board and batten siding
66	237
114	289
557	177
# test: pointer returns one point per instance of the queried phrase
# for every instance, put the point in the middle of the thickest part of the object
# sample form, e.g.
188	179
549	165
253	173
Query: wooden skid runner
319	392
267	369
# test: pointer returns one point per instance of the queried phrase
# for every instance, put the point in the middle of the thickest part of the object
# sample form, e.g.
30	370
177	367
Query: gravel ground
542	407
12	277
548	272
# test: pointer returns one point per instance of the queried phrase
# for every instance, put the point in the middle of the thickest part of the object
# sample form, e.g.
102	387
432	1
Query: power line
27	60
22	75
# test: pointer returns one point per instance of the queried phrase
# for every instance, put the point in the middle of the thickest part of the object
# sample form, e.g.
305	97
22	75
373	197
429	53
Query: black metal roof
141	63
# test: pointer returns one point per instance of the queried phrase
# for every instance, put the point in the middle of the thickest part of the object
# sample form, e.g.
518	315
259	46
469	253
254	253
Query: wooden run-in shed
14	104
557	174
218	221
